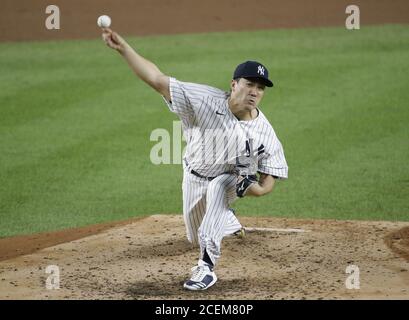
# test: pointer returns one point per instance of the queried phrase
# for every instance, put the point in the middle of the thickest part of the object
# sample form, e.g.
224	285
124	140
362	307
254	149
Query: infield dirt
150	258
25	19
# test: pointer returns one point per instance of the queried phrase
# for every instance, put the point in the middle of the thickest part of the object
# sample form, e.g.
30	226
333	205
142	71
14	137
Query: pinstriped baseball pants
206	211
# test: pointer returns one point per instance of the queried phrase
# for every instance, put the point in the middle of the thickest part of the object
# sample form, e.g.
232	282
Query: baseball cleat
240	233
202	278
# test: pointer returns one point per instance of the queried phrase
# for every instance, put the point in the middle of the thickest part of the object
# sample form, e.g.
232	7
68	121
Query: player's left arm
264	186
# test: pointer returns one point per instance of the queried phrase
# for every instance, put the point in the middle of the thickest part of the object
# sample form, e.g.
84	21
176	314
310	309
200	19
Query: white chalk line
250	229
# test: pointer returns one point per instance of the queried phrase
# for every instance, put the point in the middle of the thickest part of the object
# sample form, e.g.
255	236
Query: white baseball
104	21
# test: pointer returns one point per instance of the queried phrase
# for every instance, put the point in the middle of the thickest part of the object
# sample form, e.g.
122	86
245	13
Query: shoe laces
198	273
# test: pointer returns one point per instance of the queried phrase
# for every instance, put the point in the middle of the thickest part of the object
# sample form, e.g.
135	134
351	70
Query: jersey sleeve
184	96
274	162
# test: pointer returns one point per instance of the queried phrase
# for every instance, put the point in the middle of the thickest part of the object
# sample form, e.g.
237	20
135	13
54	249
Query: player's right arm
143	68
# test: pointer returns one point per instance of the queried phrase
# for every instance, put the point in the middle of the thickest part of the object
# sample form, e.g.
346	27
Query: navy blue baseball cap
253	69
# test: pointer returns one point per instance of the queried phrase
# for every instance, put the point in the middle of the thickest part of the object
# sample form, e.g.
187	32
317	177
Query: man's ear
233	84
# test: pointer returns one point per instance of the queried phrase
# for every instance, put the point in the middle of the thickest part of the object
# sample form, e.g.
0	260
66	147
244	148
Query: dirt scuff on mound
398	241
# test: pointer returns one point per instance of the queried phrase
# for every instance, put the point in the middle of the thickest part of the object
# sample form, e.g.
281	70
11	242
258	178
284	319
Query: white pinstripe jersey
215	136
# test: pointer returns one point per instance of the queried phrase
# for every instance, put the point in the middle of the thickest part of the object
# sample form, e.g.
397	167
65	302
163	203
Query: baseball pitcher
232	150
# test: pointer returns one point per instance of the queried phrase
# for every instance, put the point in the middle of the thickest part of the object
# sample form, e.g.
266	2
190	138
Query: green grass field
75	125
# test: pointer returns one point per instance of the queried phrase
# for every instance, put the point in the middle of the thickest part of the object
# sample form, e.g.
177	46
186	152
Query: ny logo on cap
260	70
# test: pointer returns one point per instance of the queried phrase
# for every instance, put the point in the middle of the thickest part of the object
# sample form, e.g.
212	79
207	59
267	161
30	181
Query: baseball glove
246	168
247	162
244	184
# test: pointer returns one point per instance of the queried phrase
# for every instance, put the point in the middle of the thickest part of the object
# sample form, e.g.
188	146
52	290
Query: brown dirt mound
25	19
150	259
12	247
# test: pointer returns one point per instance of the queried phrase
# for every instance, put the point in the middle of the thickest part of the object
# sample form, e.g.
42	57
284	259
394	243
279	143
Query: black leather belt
200	176
197	174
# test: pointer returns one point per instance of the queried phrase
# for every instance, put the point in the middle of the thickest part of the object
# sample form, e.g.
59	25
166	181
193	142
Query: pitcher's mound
150	258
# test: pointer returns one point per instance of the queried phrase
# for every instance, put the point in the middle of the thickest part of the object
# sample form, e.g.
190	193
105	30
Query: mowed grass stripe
75	125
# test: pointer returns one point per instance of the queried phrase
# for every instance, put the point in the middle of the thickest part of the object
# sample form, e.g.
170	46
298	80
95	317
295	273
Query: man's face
247	93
